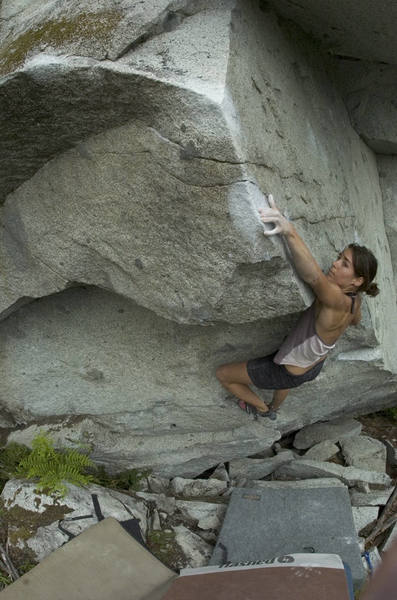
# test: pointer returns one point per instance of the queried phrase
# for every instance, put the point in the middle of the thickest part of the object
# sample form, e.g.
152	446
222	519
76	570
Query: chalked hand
273	215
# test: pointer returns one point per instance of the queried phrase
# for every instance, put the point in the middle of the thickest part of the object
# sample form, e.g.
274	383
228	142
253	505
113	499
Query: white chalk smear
364	354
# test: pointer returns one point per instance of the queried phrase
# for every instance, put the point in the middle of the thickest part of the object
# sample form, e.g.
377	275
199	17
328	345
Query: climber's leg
278	398
234	378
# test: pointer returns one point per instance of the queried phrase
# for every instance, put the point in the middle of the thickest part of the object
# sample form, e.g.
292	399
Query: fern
52	467
10	457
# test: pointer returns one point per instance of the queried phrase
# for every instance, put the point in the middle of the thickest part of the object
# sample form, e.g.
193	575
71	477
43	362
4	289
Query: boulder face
137	146
363	30
369	92
53	94
388	182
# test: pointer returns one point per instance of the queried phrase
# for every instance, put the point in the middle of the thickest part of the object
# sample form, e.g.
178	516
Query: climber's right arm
306	265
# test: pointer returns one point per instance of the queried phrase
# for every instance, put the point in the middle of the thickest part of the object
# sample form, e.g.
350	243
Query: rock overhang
227	141
196	130
57	96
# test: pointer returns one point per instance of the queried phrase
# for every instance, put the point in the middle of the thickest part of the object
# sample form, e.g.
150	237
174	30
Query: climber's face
342	271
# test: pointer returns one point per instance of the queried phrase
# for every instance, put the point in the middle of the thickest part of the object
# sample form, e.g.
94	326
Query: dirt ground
379	427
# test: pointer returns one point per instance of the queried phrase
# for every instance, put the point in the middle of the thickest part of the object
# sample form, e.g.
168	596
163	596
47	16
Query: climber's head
354	269
365	266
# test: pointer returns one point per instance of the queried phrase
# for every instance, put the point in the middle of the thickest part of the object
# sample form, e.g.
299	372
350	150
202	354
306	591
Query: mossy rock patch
23	523
58	33
164	546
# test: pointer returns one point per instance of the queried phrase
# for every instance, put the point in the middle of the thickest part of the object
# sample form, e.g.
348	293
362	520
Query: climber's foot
269	414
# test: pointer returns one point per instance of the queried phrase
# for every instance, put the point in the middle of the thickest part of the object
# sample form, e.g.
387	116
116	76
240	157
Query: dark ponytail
372	290
365	265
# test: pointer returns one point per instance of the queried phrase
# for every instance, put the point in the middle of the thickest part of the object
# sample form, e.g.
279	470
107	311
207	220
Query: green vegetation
57	33
359	592
126	480
163	545
51	467
390	413
4	580
25	567
10	457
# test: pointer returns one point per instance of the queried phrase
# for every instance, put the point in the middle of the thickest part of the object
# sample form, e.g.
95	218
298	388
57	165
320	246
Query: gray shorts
268	375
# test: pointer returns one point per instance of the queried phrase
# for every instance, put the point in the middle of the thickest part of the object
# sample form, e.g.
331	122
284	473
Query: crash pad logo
287	558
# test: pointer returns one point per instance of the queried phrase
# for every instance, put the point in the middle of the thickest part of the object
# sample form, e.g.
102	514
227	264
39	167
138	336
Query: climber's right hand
273	215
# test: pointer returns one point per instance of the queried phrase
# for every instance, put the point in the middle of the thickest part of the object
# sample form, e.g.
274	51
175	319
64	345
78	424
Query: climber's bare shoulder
331	322
328	293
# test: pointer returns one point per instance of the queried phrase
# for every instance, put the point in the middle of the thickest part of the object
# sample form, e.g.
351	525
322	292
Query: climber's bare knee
233	373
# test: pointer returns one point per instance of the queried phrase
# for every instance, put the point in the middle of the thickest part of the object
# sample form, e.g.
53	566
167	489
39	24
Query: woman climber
302	353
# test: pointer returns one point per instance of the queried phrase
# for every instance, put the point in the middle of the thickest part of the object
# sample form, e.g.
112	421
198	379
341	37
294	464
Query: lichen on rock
23	523
56	34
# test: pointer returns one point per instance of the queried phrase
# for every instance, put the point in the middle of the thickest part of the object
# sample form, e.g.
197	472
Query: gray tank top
303	347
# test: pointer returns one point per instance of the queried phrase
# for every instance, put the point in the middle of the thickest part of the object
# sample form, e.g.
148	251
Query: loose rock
220	473
364	452
197	487
391	454
305	469
363	516
158	485
256	468
325	482
203	514
377	498
332	431
155	523
195	549
322	451
33	518
162	502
